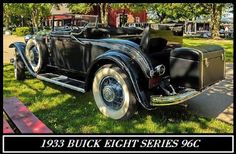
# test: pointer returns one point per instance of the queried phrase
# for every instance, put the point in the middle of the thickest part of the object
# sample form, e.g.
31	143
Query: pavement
216	102
8	53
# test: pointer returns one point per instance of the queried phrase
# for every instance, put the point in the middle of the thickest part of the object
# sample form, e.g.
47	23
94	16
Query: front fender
20	49
130	67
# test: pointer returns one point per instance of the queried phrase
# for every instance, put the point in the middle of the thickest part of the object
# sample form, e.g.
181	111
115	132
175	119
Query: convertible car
122	67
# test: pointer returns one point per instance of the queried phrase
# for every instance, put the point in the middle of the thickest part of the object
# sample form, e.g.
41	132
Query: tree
134	7
80	7
214	10
183	11
9	11
7	14
162	12
35	12
38	12
87	7
158	11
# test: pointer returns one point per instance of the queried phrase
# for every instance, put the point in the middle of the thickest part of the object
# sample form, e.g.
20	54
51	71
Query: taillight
153	82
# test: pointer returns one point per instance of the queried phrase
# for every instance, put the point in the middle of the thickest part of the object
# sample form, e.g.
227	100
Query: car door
68	53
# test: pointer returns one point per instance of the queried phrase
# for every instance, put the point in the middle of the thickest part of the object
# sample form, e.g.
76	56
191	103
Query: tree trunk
101	12
106	14
8	18
34	20
215	20
22	21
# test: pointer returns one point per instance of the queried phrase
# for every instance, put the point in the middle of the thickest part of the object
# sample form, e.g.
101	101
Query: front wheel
19	68
113	93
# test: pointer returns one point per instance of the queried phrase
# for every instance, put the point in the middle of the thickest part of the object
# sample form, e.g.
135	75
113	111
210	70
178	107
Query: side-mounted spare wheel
113	94
36	54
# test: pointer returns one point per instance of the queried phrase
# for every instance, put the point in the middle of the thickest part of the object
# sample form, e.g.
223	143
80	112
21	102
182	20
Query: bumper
157	100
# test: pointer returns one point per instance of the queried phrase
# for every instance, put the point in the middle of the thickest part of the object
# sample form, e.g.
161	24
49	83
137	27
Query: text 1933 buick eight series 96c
123	67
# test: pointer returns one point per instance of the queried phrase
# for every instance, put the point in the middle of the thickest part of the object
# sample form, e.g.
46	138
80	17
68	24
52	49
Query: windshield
85	20
67	21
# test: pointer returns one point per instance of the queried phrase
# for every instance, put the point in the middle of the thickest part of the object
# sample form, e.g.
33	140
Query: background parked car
136	25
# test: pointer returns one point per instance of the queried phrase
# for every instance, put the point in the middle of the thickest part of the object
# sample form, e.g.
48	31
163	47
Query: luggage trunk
197	67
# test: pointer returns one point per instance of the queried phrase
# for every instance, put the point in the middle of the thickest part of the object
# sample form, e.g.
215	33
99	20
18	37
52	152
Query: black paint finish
79	57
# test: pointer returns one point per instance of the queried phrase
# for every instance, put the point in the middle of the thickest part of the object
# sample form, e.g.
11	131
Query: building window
137	19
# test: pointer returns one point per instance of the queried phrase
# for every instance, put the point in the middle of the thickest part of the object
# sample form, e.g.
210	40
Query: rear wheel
113	93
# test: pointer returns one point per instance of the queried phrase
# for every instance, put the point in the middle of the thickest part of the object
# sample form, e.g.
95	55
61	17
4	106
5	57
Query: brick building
116	17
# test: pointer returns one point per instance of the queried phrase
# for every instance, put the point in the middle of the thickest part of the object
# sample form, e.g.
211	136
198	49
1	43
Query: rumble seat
150	43
96	33
155	48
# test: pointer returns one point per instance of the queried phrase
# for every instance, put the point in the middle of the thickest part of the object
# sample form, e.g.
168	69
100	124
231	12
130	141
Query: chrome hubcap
111	92
108	93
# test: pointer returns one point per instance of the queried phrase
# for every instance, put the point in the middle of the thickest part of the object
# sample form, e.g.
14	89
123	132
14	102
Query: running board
63	81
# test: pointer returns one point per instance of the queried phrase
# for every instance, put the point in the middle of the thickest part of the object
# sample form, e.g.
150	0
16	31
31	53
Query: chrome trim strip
60	83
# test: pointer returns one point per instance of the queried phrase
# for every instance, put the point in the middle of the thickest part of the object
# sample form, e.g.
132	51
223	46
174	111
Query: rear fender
127	64
20	51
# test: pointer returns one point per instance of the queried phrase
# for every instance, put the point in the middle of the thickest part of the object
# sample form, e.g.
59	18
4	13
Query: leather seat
151	43
96	33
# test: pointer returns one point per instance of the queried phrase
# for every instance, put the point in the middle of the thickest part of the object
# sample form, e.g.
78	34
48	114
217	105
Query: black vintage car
123	68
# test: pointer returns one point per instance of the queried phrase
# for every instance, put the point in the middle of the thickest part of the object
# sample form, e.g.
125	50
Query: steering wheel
66	26
76	29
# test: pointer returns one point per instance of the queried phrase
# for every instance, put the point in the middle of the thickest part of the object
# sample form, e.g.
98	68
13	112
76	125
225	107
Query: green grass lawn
226	44
67	111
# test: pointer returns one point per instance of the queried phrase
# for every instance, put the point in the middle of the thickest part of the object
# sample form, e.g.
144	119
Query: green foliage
160	12
190	11
33	13
80	7
134	7
174	11
9	10
39	12
13	33
22	31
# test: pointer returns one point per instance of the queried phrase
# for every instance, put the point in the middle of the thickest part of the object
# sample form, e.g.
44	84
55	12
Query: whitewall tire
113	93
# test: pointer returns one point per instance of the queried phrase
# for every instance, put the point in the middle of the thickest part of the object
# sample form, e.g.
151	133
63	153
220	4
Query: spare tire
36	53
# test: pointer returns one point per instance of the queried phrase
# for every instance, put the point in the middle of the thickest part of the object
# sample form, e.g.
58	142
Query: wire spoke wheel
36	53
113	93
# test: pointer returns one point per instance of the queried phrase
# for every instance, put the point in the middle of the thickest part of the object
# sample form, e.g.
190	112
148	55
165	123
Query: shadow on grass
213	102
67	111
80	115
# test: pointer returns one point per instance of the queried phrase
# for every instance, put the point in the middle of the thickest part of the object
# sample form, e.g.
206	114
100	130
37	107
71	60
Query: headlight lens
27	37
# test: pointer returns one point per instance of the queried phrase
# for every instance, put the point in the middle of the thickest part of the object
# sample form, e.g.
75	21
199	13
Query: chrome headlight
27	37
